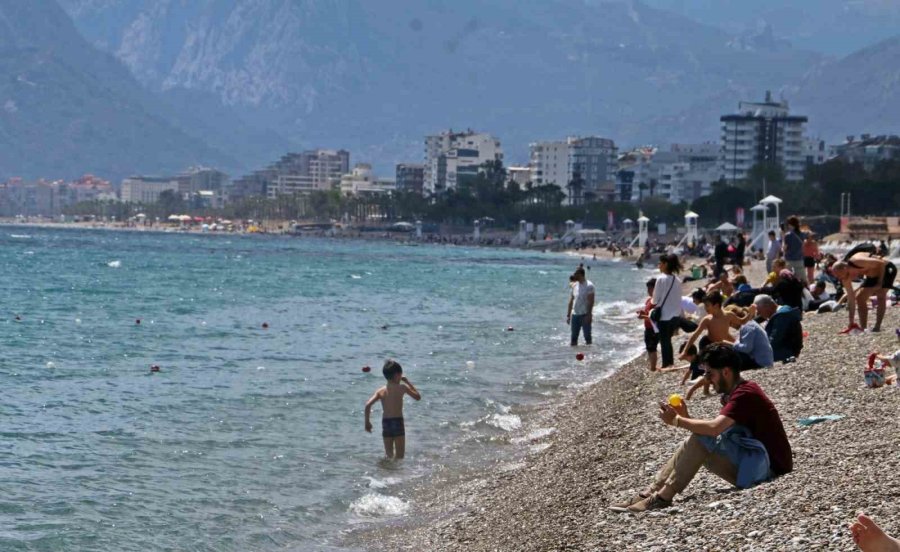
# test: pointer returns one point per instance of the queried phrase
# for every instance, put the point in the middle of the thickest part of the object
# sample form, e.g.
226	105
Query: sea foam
377	505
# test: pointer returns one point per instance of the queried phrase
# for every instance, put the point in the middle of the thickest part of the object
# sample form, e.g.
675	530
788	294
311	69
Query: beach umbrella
174	218
726	227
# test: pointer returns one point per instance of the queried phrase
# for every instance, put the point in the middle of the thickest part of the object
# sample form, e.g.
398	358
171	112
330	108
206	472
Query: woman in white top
667	296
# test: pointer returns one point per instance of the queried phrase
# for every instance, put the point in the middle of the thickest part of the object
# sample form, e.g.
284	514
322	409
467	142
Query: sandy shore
609	443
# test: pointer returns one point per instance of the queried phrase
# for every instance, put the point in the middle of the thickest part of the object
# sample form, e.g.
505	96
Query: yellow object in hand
675	400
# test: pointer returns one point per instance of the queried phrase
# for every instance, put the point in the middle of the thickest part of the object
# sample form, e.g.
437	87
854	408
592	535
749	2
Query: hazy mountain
837	27
376	76
66	108
857	94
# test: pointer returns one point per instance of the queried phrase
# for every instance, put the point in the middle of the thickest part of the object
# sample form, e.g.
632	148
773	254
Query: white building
763	132
519	175
549	163
583	167
452	156
362	181
682	174
815	152
146	189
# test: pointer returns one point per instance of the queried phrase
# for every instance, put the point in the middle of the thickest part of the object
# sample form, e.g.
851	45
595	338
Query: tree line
491	194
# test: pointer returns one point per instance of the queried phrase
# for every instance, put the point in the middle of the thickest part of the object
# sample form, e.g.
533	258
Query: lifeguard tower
641	238
690	226
770	221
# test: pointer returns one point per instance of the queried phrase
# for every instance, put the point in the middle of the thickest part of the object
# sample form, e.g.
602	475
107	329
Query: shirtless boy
717	323
878	279
391	396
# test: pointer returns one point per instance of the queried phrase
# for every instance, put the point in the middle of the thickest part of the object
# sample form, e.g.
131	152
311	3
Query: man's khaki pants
686	462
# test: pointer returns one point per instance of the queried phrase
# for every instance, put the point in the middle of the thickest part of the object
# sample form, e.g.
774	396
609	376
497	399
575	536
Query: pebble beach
609	443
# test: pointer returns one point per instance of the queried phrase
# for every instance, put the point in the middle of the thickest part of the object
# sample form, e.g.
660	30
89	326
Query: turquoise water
251	438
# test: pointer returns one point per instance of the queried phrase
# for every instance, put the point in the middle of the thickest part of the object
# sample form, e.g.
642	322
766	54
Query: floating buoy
137	321
470	364
366	369
50	365
510	329
154	368
265	325
579	356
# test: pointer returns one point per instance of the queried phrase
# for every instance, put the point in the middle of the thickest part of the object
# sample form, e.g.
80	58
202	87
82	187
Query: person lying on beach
820	296
718	323
878	275
869	537
745	444
393	430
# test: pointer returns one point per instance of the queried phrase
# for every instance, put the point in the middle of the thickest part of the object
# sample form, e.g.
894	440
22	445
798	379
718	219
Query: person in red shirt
651	332
746	413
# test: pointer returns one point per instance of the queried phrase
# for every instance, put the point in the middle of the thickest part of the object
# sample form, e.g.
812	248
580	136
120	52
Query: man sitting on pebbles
744	445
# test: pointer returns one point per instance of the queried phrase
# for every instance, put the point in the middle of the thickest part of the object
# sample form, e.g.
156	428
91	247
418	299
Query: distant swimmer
393	430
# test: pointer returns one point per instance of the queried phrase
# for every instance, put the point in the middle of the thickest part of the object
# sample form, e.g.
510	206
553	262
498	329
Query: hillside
375	77
68	108
857	94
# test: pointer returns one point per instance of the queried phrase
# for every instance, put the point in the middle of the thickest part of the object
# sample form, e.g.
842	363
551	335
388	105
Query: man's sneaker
652	502
623	506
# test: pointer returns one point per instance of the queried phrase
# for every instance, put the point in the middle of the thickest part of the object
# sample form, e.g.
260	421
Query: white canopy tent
727	227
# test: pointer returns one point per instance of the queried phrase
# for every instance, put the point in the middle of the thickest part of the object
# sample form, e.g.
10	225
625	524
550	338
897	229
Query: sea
250	435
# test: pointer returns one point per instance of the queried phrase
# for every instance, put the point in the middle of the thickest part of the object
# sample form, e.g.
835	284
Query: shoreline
608	443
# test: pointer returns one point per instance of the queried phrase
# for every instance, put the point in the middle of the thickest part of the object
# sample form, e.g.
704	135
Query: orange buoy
366	369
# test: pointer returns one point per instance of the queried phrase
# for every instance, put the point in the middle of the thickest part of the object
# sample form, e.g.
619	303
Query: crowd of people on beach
733	326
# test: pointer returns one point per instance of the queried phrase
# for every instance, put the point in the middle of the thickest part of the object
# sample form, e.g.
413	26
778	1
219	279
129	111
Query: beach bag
656	312
874	372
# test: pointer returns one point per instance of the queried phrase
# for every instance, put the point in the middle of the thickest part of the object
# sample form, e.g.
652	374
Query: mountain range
235	83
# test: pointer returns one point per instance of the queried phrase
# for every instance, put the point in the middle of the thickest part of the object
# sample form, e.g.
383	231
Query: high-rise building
303	172
583	167
454	156
763	132
308	171
410	178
